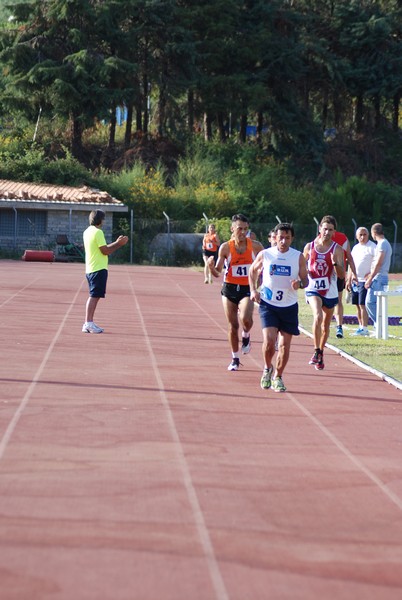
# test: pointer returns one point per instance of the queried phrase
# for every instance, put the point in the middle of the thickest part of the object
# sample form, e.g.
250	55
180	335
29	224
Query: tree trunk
243	128
145	120
207	127
260	123
221	127
112	129
358	113
190	111
76	137
324	116
138	118
395	114
377	112
337	110
162	101
129	126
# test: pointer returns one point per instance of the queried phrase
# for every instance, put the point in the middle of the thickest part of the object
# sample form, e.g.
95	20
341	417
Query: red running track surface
134	466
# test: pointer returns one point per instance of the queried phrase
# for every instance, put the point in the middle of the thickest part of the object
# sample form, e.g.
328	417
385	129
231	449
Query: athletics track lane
133	465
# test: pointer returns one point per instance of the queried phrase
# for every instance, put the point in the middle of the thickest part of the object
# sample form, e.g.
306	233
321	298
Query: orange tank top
209	242
238	265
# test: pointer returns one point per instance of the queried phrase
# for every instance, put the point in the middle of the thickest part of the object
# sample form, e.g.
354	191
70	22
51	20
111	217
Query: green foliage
365	201
33	165
222	227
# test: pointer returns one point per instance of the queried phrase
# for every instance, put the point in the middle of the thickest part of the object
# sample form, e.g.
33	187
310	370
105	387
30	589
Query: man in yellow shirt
97	252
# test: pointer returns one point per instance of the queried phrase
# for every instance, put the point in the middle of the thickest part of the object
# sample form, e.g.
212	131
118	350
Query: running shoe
315	358
320	364
278	385
361	331
339	332
91	328
206	281
245	345
266	379
234	365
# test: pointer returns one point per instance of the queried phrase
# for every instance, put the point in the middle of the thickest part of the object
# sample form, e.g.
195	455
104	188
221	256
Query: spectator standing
348	263
378	278
97	252
363	255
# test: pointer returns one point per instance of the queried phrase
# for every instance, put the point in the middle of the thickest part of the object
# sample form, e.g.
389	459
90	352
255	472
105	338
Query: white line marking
36	378
359	363
18	293
216	577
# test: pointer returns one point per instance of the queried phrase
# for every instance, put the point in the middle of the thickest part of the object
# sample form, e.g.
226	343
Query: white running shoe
361	331
234	365
245	345
91	328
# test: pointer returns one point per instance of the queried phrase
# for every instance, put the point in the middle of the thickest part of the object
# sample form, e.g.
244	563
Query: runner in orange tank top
210	246
236	256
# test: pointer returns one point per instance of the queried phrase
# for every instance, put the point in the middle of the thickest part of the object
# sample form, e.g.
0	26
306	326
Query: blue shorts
359	294
284	319
327	302
235	293
97	283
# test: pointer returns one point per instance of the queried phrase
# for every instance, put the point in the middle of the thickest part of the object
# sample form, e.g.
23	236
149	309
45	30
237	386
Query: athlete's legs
231	311
315	303
339	309
285	340
269	335
206	268
328	313
246	307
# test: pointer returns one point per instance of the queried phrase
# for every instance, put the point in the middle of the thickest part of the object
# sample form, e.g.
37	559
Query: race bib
209	245
240	270
275	295
321	284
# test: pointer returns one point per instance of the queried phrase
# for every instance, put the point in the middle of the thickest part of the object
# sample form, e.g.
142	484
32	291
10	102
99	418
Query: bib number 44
321	283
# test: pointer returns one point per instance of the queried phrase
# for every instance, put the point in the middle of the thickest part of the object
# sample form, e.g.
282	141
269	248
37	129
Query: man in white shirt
363	255
378	278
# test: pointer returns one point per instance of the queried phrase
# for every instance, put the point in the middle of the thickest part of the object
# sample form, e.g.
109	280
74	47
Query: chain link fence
178	243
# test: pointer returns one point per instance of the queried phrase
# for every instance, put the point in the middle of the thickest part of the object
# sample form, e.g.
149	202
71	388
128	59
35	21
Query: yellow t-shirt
94	238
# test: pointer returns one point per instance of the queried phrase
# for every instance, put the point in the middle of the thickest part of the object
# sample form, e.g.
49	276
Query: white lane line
36	378
216	577
359	363
19	292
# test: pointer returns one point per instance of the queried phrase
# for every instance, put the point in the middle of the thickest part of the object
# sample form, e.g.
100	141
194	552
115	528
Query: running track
134	466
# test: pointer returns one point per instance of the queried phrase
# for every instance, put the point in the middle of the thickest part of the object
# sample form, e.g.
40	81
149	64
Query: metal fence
176	250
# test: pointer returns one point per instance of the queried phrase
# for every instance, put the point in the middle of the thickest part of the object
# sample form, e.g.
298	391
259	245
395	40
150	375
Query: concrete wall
167	248
58	222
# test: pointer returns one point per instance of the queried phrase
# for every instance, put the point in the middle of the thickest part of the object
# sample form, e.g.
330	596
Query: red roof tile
43	192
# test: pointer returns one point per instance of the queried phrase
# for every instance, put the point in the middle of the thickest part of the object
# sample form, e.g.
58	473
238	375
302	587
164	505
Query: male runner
236	256
325	265
284	272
